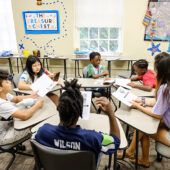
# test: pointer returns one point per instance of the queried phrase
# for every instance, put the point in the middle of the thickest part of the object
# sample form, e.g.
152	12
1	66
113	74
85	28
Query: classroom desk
28	92
142	93
138	120
9	62
96	122
46	58
76	65
112	59
48	109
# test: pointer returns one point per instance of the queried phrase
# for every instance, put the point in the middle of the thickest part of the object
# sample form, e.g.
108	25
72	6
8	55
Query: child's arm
24	115
23	85
105	105
106	73
17	99
136	105
141	87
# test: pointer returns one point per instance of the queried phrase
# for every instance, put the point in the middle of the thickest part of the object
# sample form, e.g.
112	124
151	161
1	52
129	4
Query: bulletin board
160	10
41	22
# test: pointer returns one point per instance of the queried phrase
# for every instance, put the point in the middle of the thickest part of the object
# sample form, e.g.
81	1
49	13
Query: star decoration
21	46
155	48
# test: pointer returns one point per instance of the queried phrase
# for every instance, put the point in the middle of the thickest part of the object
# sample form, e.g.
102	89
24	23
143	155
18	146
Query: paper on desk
43	85
110	81
86	104
124	96
123	82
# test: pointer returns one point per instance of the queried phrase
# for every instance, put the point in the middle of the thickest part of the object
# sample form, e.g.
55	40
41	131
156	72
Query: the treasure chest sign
41	22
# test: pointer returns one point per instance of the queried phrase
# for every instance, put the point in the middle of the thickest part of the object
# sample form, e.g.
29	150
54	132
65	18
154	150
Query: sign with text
41	22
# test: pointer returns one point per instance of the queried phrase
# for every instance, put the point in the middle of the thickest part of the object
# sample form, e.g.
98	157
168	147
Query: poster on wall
160	10
41	22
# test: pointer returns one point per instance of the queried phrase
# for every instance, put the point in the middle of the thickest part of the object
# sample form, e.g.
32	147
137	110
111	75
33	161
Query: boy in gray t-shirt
8	111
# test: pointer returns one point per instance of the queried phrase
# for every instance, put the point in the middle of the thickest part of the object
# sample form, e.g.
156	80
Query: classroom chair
14	148
52	158
16	78
162	151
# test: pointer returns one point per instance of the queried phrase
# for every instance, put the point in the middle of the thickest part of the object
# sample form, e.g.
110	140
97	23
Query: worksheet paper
86	104
43	85
124	96
123	82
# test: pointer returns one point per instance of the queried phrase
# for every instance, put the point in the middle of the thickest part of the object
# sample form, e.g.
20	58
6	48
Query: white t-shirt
7	132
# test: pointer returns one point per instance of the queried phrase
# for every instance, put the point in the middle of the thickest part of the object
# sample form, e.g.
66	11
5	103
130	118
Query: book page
123	82
43	85
124	96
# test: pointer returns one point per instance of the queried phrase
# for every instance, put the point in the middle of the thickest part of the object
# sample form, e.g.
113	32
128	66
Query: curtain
99	13
7	30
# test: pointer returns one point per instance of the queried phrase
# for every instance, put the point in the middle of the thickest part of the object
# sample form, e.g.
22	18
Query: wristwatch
143	102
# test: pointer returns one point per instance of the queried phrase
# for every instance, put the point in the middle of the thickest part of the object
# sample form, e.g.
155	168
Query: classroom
84	84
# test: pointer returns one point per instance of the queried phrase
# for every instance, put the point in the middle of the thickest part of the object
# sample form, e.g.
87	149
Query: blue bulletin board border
42	31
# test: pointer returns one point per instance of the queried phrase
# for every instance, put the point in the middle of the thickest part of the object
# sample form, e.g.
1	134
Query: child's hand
104	104
132	85
34	95
39	103
135	105
106	73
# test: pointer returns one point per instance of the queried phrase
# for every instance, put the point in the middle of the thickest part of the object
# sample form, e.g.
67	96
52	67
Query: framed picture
41	22
160	10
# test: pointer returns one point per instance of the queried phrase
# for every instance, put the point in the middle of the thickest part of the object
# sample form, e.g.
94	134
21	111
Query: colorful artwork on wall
154	48
41	22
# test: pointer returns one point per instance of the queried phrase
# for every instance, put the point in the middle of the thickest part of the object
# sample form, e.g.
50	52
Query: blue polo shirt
77	138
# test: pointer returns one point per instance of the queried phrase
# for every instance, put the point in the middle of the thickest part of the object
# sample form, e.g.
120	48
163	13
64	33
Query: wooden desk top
137	119
48	110
96	122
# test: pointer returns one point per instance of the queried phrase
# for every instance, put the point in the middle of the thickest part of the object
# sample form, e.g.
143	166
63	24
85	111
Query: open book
124	96
123	82
43	85
104	82
86	104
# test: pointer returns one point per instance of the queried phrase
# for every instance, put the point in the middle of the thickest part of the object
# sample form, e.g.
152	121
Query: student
95	70
161	110
8	111
70	136
34	70
143	73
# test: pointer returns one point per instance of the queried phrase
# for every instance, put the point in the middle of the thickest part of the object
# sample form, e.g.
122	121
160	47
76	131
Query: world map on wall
161	14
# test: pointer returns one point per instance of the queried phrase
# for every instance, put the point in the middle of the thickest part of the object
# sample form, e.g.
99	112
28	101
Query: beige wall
134	45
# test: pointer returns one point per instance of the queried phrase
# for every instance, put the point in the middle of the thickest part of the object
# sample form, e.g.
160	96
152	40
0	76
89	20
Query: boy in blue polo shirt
70	136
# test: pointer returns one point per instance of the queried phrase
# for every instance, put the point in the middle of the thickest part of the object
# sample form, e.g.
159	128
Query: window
99	39
98	25
7	30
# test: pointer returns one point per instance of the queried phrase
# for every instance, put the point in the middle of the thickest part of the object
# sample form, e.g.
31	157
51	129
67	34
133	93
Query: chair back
16	79
52	158
85	72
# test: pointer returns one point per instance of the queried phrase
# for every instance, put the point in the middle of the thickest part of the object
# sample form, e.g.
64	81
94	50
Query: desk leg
10	66
17	65
22	64
75	67
110	161
109	68
136	164
78	69
115	161
47	64
65	70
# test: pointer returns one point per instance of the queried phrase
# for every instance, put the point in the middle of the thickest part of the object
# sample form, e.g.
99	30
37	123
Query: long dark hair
30	61
70	105
162	66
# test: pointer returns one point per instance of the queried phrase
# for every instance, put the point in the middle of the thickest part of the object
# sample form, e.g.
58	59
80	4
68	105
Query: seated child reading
8	111
34	70
143	73
95	70
70	108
